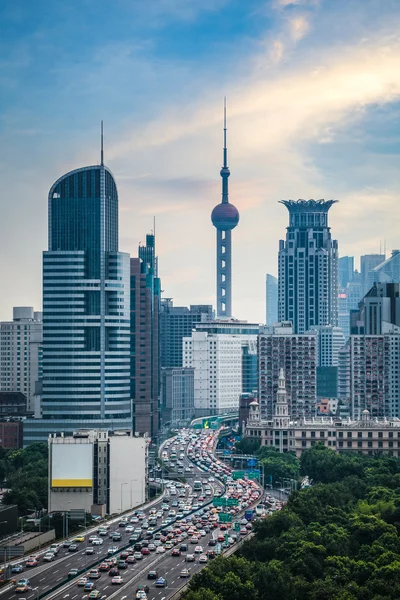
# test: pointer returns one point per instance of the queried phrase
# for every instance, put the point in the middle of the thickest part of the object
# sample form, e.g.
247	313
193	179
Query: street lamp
122	484
66	520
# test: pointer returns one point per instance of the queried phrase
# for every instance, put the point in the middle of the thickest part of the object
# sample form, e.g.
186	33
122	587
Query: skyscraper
368	275
224	217
345	270
86	327
271	288
308	267
145	348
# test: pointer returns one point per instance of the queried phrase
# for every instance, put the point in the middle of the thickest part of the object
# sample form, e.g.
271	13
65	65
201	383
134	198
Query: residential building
344	374
224	217
21	352
86	304
11	433
308	267
366	435
177	393
89	468
177	322
280	348
145	343
271	286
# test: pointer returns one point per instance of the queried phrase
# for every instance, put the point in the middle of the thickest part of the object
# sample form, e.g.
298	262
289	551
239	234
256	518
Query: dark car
73	572
138	546
17	569
124	555
122	564
67	544
152	575
145	543
113	572
183	547
212	542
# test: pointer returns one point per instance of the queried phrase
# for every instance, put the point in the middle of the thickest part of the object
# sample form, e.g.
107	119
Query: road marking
56	571
66	596
43	578
74	596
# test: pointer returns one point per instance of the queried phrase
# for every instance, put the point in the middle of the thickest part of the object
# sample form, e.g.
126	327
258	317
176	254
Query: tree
247	445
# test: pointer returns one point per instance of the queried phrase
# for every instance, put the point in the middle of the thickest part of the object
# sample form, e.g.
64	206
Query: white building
330	341
92	469
215	352
21	352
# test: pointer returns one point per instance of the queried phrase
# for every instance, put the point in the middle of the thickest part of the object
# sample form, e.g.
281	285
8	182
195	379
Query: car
122	564
31	562
143	588
145	551
97	542
116	537
73	548
112	550
78	539
160	550
73	573
20	588
82	581
102	532
89	586
176	552
94	574
243	531
113	572
89	551
138	555
161	582
152	575
152	547
17	569
67	544
198	550
212	542
184	573
203	558
117	580
190	558
183	547
131	560
95	594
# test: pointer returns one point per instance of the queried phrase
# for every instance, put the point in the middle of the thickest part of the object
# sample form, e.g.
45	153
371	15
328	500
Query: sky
313	100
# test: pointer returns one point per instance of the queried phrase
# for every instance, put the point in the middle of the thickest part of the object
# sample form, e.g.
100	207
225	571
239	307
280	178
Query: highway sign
237	526
206	423
197	426
255	474
225	518
237	474
219	501
232	502
252	462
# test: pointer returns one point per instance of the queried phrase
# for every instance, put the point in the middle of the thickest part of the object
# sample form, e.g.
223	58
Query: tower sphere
225	172
225	216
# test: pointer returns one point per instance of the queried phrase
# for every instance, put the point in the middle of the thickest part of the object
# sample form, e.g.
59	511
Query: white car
129	528
198	550
49	557
203	558
97	542
160	550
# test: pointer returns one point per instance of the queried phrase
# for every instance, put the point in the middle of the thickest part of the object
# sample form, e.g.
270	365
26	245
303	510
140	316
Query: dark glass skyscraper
86	325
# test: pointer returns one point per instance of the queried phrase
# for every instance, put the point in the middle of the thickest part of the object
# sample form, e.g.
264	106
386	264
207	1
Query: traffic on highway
151	552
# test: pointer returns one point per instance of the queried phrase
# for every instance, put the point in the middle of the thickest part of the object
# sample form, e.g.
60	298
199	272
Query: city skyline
290	136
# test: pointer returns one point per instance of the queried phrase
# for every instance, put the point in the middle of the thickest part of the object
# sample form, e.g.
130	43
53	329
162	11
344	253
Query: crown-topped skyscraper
224	217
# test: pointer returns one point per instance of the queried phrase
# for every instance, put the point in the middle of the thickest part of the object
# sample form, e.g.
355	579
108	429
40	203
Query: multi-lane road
46	576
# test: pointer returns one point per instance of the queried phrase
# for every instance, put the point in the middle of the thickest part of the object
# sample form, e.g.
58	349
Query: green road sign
224	518
214	425
226	537
219	501
253	474
232	502
237	526
197	426
237	474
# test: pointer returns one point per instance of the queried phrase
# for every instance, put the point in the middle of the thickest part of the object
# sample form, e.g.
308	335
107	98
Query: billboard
72	465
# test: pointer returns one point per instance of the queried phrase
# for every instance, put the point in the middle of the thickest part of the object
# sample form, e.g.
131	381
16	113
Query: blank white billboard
72	465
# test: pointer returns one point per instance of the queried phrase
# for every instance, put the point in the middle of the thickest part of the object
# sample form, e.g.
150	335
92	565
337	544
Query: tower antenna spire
102	147
225	149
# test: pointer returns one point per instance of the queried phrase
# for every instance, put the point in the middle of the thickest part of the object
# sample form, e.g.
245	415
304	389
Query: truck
249	514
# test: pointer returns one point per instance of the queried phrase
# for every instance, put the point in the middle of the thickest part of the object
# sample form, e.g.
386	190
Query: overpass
227	419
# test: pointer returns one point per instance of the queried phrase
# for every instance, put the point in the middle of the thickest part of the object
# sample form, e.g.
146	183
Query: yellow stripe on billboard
71	483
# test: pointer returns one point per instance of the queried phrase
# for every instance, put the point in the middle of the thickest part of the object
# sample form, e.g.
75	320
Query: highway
48	575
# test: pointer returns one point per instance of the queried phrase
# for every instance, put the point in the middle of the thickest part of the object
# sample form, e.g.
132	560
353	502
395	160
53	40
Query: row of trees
274	464
337	540
24	473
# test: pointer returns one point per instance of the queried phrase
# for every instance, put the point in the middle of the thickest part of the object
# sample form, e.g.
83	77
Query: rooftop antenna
102	146
225	150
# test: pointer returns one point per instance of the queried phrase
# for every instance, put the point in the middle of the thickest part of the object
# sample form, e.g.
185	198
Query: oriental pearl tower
224	217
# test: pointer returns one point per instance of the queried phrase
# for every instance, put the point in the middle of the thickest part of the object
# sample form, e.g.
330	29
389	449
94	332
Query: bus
197	486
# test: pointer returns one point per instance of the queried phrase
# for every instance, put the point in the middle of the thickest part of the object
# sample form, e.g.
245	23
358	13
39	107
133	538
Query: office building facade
389	270
86	325
271	292
177	322
280	348
177	393
21	352
368	262
308	267
145	299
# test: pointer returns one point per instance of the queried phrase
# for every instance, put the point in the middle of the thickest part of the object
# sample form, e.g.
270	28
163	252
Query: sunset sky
313	95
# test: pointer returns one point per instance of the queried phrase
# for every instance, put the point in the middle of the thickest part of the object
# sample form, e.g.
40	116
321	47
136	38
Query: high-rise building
224	217
86	325
177	322
368	274
250	367
177	394
271	286
21	352
308	272
389	270
379	310
280	348
145	349
345	270
215	351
